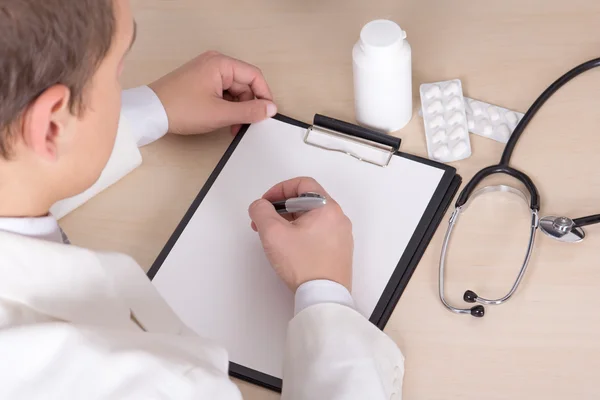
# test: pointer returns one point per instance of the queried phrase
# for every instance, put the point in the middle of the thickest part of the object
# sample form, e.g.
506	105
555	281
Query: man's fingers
228	96
240	91
263	216
233	70
234	113
294	188
235	129
245	96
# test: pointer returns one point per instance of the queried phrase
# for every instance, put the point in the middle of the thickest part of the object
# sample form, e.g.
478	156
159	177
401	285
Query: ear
46	120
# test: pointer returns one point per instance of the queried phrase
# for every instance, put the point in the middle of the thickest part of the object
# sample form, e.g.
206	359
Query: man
77	324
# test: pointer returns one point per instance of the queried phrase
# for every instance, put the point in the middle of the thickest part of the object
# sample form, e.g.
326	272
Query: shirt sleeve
321	291
146	114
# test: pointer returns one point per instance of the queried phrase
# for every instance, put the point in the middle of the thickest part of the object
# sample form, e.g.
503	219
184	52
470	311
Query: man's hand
214	91
315	245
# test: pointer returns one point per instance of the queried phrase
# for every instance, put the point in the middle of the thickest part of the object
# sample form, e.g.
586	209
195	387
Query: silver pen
305	202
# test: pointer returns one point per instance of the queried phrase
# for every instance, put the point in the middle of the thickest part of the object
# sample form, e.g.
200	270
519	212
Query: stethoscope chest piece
562	229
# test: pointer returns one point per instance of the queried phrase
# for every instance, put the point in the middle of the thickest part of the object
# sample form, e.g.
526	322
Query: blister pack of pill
491	121
445	121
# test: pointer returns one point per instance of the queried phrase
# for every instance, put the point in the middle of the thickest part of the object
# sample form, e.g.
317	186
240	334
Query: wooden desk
544	343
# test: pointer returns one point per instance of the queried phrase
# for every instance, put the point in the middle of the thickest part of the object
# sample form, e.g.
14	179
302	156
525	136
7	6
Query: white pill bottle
382	65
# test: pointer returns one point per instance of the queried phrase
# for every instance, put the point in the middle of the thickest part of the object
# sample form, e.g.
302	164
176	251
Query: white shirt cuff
145	113
321	291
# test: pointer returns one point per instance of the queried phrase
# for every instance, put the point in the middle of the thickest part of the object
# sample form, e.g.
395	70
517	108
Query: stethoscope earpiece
470	296
478	311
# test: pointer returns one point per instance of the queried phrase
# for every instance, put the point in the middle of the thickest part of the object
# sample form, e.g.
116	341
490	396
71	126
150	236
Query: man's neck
29	187
17	201
25	209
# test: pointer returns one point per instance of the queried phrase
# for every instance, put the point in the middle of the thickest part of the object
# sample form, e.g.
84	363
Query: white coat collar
45	228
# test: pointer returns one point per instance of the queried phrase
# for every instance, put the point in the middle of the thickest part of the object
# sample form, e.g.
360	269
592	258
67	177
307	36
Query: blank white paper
217	278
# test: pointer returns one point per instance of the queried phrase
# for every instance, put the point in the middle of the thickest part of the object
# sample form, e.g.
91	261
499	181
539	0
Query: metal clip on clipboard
361	143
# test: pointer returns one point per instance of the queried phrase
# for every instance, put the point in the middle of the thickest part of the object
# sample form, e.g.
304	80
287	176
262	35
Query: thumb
263	215
244	112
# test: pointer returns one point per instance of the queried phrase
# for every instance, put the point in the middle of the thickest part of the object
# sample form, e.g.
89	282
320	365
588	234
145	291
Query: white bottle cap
381	37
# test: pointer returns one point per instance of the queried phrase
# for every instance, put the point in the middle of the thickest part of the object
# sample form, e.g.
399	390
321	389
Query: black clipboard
430	221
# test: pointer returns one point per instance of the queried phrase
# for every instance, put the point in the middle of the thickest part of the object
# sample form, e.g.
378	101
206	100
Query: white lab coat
77	324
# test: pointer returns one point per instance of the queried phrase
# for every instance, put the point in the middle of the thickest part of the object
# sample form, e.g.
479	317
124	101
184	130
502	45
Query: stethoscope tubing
584	221
539	102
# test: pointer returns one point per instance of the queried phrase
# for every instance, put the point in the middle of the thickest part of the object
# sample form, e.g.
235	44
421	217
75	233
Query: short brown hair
49	42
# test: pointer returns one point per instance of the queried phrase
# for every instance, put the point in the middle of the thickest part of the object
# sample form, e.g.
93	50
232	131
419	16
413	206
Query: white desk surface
543	344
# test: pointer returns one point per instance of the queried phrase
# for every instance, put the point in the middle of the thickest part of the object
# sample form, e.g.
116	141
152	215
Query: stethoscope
561	228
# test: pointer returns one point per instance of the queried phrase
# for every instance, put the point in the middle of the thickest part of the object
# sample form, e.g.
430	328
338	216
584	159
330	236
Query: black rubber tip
478	311
470	296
